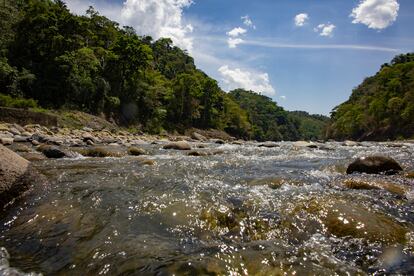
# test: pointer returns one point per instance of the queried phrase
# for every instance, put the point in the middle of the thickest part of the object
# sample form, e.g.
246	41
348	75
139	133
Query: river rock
15	175
363	184
32	156
54	152
300	144
219	141
6	141
17	147
21	139
269	144
349	143
344	218
136	151
409	175
374	165
14	131
89	137
103	151
180	145
197	153
198	136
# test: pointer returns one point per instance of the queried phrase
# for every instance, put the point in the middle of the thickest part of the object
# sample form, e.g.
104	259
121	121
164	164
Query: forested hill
90	63
382	107
271	122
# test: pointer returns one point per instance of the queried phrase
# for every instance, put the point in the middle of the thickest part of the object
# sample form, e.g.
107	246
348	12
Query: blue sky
305	54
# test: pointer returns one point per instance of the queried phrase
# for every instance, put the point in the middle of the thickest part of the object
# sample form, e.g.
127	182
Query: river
246	210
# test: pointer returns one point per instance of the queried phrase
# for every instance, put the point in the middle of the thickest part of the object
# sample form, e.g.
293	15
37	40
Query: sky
304	54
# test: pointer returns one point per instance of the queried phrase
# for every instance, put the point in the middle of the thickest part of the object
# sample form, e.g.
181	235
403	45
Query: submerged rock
343	218
180	145
273	182
205	152
374	165
362	184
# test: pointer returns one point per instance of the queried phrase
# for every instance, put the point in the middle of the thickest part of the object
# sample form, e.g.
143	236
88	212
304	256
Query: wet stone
374	165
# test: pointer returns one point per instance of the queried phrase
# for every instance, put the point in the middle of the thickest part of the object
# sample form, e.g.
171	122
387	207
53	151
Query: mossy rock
377	184
102	151
343	218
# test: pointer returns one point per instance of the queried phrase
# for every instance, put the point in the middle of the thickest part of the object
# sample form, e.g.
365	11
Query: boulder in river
136	151
54	152
374	165
180	145
15	175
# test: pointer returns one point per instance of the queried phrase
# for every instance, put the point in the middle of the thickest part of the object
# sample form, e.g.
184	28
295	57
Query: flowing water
245	211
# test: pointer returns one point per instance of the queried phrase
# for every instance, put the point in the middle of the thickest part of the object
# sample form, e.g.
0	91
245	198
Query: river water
247	210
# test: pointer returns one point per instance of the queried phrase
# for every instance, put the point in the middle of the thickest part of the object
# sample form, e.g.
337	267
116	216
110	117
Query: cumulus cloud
301	19
158	18
325	29
237	78
233	42
236	32
376	14
283	98
233	39
248	22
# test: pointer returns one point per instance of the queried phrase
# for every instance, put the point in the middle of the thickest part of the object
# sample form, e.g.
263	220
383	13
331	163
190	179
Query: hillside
381	108
55	60
271	122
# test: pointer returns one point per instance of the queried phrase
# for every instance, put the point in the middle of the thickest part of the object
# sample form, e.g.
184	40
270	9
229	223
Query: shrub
7	101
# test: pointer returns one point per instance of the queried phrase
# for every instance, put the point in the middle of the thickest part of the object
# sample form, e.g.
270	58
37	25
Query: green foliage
382	107
7	101
272	122
310	127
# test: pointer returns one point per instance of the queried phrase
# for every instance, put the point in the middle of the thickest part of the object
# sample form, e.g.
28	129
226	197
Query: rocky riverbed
117	203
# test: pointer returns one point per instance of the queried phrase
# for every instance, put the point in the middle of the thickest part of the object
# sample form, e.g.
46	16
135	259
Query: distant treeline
381	108
90	63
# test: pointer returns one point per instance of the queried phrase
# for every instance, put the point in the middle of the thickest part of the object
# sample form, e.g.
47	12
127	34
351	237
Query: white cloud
325	29
301	19
233	39
283	98
158	18
250	80
236	32
248	21
233	42
376	14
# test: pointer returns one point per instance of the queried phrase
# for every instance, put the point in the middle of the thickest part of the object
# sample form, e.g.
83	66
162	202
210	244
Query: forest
381	108
53	59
